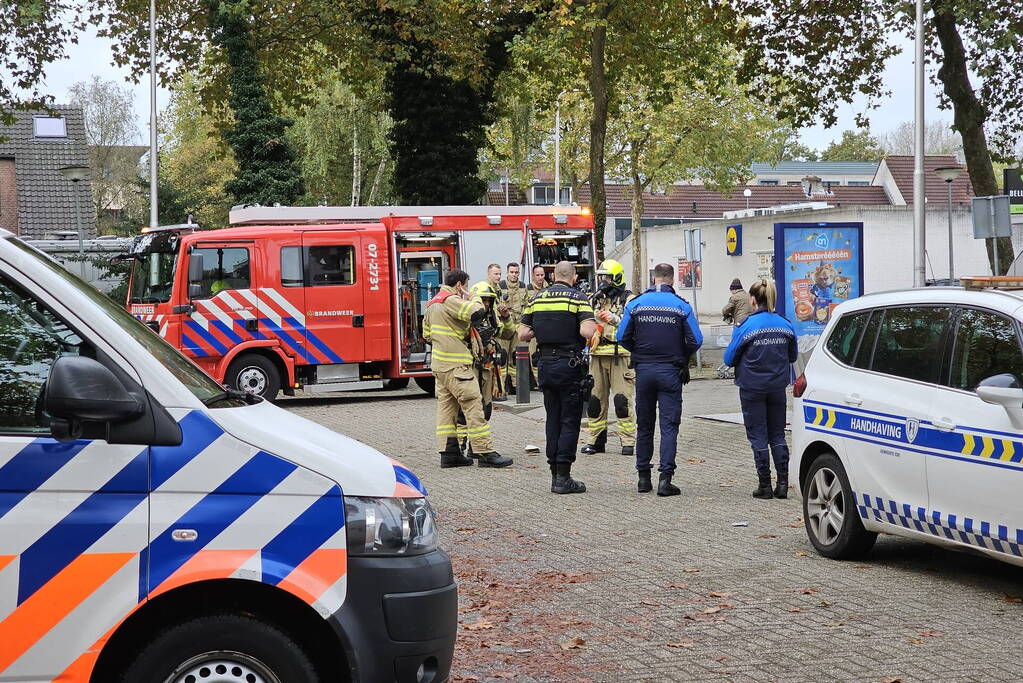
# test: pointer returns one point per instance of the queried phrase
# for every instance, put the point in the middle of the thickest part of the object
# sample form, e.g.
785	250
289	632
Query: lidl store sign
733	240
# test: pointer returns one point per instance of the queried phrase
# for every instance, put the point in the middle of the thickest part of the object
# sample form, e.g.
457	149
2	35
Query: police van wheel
254	374
829	511
224	647
427	384
396	383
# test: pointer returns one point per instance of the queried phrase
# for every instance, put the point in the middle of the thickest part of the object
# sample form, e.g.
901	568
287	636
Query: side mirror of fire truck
195	273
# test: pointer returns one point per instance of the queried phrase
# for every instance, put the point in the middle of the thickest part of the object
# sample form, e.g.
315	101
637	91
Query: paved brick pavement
667	588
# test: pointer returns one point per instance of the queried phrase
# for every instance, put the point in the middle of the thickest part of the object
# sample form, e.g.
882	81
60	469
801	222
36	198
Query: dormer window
49	126
543	195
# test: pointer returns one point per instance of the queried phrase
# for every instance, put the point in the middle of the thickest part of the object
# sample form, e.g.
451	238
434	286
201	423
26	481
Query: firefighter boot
563	481
665	487
780	453
644	485
493	459
598	445
763	463
451	456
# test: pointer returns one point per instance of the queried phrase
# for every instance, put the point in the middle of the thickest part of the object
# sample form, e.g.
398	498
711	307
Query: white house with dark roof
36	200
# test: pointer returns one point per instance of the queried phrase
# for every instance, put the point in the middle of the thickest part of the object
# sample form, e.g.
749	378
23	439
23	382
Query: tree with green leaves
855	145
267	172
711	132
614	46
807	58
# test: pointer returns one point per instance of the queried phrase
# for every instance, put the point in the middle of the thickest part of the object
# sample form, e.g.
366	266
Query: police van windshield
152	272
198	382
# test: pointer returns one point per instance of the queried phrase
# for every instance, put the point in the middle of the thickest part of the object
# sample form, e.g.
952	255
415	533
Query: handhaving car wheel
829	511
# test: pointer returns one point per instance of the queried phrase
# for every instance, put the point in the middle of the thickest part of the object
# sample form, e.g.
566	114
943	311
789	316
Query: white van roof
253	214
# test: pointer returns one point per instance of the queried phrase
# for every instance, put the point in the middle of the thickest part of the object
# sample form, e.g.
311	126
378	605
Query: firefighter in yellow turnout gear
614	383
446	327
513	296
488	333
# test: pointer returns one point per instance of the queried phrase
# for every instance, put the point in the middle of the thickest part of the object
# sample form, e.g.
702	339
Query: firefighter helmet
483	290
614	269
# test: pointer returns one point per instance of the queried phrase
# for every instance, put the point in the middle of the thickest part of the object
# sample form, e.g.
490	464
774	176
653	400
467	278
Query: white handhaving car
908	419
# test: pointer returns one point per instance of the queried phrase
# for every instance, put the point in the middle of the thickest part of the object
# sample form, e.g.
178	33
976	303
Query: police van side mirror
80	390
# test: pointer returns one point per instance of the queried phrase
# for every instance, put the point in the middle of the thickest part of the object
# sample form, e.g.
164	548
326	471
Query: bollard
523	372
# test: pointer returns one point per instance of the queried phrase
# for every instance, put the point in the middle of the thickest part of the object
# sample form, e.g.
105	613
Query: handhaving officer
561	319
661	331
446	328
614	382
762	351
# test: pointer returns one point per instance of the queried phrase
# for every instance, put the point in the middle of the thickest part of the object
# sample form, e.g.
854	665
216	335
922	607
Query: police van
908	419
154	527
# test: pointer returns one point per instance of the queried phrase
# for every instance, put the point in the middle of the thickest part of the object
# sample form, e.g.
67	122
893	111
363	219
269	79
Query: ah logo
822	241
912	429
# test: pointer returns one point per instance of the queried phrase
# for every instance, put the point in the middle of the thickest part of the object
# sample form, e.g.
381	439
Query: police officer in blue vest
661	331
762	351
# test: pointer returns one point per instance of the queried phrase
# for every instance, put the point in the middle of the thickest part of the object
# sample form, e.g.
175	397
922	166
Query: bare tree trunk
598	125
970	116
376	183
639	282
356	157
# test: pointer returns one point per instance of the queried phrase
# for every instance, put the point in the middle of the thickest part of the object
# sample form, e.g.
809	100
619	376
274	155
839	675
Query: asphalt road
615	585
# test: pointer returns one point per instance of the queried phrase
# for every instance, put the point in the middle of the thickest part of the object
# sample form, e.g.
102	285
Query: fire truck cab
332	298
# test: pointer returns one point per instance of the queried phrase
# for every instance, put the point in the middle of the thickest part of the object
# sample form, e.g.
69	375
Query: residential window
767	182
543	195
49	127
858	183
796	183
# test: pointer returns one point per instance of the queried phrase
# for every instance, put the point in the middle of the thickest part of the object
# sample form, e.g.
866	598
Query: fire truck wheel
396	383
223	647
254	374
426	384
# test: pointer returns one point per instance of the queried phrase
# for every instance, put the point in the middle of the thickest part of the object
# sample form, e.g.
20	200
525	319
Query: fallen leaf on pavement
793	610
573	644
726	485
685	642
480	625
712	610
678	585
721	659
825	603
767	536
690	570
808	591
915	641
863	566
891	679
930	633
800	554
1013	598
695	461
727	605
715	594
650	603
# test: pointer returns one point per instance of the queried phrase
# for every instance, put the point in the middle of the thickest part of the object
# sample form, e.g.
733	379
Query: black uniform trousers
764	417
560	380
658	390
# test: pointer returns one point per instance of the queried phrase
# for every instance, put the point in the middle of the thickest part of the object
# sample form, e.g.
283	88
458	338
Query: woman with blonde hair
762	350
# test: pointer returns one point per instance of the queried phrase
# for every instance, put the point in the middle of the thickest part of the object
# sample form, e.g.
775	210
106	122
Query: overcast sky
93	56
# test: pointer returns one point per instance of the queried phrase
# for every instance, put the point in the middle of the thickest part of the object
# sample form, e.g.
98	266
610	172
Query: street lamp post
77	174
747	193
949	174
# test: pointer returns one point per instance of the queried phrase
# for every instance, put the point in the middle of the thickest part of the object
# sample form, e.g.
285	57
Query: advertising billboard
817	267
1013	186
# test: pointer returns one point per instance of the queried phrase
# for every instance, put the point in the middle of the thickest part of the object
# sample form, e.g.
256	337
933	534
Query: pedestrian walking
660	330
561	319
614	382
446	328
762	351
513	296
738	307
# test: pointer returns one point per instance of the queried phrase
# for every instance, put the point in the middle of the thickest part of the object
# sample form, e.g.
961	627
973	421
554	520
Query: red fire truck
332	298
